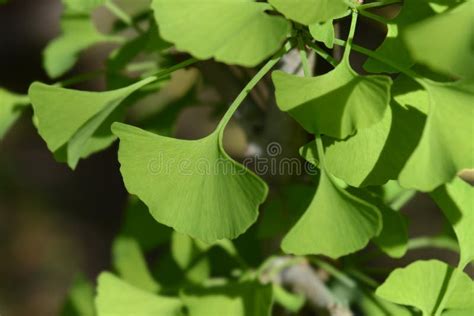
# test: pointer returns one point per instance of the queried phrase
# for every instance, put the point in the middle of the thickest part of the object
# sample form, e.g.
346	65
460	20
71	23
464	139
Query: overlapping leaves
336	104
345	223
77	123
446	145
454	55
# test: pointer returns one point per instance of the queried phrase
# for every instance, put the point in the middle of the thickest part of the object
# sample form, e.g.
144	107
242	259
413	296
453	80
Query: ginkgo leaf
130	264
393	48
376	154
335	104
240	299
78	34
455	54
421	283
118	298
11	106
335	224
231	31
323	32
78	119
192	186
80	299
311	11
456	199
446	145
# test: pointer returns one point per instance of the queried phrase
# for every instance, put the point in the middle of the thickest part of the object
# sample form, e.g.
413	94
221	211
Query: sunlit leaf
335	224
130	264
421	283
11	106
335	104
453	55
456	199
79	119
311	11
323	32
78	34
231	31
393	48
377	154
241	299
192	186
446	144
118	298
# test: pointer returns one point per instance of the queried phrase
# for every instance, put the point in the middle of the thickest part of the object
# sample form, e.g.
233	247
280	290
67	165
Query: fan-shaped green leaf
423	283
376	154
335	104
455	54
335	224
241	299
130	264
118	298
11	106
192	186
311	11
456	199
231	31
78	34
446	145
393	48
78	119
323	32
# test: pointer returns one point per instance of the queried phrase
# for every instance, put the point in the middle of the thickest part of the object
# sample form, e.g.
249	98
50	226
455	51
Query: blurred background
55	222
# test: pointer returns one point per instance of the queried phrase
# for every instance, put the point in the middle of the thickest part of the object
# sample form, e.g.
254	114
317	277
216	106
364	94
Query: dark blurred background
55	222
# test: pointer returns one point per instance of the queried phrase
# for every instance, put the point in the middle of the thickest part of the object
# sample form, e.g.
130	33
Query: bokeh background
55	222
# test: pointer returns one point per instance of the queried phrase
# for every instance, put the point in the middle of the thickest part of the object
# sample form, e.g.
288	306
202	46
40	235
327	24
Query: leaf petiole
350	37
122	15
250	85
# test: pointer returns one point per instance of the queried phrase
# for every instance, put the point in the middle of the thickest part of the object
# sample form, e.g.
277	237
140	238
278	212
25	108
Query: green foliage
221	196
450	107
83	125
376	136
118	298
336	104
455	55
346	223
246	38
421	283
78	33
